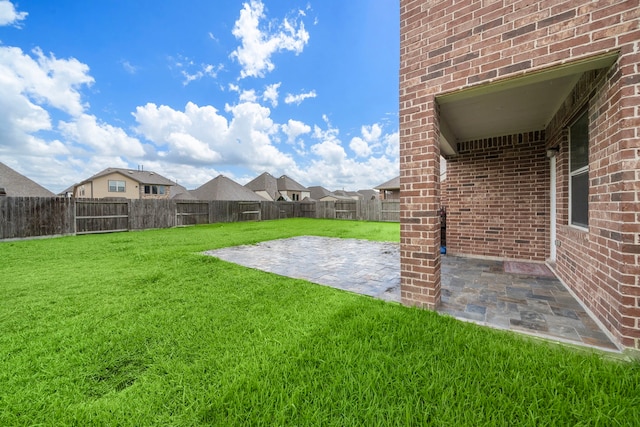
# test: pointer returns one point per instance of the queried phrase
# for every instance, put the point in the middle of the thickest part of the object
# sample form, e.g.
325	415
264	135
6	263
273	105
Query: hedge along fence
23	217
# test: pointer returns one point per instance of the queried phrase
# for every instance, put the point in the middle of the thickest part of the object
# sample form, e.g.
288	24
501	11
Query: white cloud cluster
294	128
297	99
46	123
45	79
191	71
259	44
203	135
271	94
35	87
102	138
333	167
370	140
9	15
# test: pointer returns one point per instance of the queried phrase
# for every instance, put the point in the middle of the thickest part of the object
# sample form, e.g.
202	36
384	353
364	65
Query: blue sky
196	88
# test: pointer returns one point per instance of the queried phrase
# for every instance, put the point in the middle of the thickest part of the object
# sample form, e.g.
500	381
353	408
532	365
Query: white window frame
578	172
115	187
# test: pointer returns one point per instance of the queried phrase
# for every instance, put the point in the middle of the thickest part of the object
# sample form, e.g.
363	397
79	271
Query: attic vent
131	172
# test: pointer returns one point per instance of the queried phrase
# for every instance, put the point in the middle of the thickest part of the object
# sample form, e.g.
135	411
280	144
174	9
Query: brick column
419	203
419	164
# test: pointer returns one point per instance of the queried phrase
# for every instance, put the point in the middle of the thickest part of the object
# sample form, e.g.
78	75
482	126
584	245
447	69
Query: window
154	189
295	197
579	172
116	186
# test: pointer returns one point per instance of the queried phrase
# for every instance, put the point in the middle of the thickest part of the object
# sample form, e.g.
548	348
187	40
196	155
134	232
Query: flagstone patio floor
526	298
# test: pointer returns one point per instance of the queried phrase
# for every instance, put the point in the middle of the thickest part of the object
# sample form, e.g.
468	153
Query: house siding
99	187
451	45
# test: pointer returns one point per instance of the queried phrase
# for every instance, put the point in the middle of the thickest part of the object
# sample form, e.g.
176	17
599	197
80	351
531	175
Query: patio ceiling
512	105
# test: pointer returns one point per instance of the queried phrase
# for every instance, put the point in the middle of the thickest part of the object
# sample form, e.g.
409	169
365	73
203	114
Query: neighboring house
223	188
351	195
290	190
124	183
321	194
535	106
368	194
178	192
264	185
283	188
14	184
390	190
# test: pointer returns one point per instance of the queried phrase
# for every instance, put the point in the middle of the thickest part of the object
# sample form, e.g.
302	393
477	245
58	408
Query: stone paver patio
530	300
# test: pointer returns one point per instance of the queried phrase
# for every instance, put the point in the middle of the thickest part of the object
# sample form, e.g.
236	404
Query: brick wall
449	45
497	198
601	264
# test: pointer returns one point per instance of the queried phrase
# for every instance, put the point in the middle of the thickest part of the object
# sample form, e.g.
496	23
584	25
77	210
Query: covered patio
522	297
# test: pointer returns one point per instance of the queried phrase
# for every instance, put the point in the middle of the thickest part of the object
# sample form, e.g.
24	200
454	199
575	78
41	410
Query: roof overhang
512	105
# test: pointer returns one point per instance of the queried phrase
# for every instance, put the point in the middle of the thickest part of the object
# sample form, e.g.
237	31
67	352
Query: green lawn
140	329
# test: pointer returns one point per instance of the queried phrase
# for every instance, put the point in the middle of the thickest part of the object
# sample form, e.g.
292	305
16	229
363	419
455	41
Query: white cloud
331	167
205	70
329	149
364	146
192	71
202	135
297	99
129	68
372	133
373	142
248	96
392	142
45	79
360	147
271	94
185	146
259	44
28	87
102	138
293	129
9	15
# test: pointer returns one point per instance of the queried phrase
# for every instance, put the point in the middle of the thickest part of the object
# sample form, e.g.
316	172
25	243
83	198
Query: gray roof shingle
178	192
392	184
223	188
288	184
264	182
18	185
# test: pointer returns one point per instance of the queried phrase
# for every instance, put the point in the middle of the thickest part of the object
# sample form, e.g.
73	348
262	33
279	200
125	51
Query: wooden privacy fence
22	217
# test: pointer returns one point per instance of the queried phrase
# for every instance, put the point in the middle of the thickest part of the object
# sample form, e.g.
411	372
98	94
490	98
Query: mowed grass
136	329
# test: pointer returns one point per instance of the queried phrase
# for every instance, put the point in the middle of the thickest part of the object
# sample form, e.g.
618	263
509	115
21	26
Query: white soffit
512	105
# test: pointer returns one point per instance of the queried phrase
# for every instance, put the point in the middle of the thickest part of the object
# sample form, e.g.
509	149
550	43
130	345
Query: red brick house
536	107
